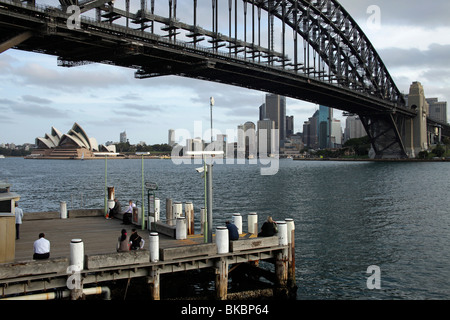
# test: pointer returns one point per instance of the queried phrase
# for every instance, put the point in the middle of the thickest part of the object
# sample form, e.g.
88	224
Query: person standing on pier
19	216
123	244
41	248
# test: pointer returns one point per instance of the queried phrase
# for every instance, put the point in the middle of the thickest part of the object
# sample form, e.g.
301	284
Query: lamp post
207	171
142	177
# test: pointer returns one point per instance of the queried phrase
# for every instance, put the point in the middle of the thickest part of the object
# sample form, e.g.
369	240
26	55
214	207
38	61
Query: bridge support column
384	133
416	139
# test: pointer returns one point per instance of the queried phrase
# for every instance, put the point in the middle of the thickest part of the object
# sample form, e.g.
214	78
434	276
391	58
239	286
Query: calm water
348	215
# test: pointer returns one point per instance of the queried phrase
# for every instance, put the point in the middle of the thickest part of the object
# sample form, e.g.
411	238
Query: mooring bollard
76	265
282	233
111	195
202	220
189	214
222	240
181	233
237	221
63	210
291	252
154	246
177	210
157	210
169	213
253	223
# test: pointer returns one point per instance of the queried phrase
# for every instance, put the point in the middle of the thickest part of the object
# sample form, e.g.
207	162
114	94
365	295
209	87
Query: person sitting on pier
127	215
41	248
123	243
136	240
233	233
269	228
116	209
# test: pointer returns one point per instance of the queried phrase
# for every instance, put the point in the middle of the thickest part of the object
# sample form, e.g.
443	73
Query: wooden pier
28	278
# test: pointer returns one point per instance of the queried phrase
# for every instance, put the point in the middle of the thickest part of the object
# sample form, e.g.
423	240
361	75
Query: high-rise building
275	110
222	144
336	134
123	137
437	110
171	138
310	131
266	145
289	126
325	119
246	144
353	128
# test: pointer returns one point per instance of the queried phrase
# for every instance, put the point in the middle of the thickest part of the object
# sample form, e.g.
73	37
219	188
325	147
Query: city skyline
37	94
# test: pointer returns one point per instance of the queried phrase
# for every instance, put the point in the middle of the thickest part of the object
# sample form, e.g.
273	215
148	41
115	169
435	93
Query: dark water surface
348	215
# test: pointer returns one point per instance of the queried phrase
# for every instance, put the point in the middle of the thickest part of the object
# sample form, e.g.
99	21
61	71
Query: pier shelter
7	222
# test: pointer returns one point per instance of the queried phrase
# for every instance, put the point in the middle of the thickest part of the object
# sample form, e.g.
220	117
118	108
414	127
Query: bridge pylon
415	136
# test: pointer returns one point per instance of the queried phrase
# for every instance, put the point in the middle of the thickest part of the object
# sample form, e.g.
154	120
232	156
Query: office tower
275	110
246	144
336	134
222	144
262	111
310	131
266	145
171	138
325	118
437	110
123	137
289	126
353	128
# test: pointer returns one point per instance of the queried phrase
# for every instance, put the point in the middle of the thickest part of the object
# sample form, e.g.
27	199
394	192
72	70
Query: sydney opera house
75	144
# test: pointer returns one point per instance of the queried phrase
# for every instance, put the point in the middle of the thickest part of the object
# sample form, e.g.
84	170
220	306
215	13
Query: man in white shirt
19	216
41	248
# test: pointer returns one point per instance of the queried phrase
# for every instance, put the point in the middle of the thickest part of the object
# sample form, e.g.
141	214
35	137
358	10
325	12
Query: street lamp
207	171
142	154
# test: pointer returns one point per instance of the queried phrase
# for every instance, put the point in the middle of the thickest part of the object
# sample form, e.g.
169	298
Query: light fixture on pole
142	177
207	171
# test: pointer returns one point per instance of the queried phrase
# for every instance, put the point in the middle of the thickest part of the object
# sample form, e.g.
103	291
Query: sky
411	36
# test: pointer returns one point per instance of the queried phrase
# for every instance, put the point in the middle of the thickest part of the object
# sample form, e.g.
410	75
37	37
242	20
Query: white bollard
181	231
253	223
177	209
77	254
290	227
157	209
222	240
202	220
282	233
63	210
237	221
154	246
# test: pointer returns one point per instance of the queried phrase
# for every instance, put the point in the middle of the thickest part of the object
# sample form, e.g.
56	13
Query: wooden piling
154	281
281	273
169	213
189	213
222	279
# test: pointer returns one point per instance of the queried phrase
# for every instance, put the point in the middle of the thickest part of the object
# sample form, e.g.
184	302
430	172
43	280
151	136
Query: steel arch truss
328	28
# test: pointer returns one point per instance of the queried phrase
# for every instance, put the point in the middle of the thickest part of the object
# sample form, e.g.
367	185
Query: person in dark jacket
269	228
233	233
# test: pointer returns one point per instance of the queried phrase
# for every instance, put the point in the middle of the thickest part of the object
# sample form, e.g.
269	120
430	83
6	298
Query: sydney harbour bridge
310	50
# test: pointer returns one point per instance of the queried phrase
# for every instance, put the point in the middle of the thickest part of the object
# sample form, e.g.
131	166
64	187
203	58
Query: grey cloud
437	56
29	98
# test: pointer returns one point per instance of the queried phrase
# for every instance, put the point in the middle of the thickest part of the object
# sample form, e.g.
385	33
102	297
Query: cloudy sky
411	36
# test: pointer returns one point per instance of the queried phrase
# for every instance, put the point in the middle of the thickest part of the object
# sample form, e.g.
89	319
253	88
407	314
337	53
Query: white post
63	210
282	233
177	209
237	221
222	240
77	254
181	232
154	246
253	223
157	209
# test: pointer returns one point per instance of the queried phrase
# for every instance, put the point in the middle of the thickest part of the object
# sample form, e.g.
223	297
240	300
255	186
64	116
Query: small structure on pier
7	222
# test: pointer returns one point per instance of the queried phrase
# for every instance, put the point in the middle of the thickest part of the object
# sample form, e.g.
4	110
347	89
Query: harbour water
348	215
